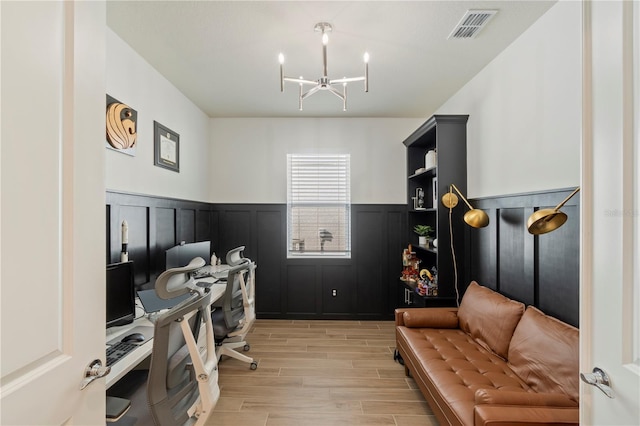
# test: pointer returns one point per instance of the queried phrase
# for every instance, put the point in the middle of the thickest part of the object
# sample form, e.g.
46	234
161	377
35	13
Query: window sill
318	255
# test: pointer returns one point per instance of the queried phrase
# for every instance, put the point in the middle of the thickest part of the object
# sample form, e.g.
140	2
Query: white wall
250	155
523	131
524	109
131	80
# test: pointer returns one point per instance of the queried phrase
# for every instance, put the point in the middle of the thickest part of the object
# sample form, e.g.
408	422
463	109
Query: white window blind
318	205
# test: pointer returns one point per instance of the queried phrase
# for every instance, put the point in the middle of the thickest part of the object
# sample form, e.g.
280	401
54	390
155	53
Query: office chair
182	387
116	408
234	316
235	256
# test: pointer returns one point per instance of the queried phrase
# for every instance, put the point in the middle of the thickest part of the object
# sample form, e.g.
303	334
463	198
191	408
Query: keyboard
207	284
202	274
118	351
209	271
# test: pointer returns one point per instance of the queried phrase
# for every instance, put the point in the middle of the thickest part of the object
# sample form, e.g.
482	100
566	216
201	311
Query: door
52	211
610	291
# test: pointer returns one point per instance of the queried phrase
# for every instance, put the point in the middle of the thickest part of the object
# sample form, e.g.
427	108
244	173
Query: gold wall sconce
474	217
547	220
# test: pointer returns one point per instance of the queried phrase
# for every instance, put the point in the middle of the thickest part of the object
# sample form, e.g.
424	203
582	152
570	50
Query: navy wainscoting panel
155	224
137	218
542	270
187	225
165	234
365	285
511	252
557	269
203	226
235	229
339	278
270	258
483	248
301	285
369	244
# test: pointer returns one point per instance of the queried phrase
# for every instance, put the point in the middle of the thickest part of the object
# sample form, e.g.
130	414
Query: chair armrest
517	415
429	318
539	399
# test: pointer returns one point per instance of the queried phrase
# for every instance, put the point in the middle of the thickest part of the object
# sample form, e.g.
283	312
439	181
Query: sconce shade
547	220
474	217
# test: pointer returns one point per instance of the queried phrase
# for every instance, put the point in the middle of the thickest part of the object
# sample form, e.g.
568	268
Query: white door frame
609	243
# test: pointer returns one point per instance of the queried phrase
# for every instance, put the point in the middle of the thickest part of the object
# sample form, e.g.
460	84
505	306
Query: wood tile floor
319	373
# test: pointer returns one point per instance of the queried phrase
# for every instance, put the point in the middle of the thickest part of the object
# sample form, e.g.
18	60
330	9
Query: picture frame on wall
121	127
166	147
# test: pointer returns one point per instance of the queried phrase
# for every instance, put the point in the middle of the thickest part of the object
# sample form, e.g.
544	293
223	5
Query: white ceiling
223	55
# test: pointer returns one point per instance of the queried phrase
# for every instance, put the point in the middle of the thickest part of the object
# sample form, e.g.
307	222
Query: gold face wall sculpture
120	126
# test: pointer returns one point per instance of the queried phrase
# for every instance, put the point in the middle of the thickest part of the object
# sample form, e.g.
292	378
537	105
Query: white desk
138	355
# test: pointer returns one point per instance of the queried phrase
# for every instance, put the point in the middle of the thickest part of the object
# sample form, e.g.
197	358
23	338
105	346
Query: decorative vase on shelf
422	240
430	159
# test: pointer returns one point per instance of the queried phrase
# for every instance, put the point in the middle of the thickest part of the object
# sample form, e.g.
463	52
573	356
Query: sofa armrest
399	312
534	399
427	317
515	415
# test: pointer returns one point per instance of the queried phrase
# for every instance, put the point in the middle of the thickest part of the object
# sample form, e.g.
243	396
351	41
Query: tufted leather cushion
489	317
450	366
502	397
544	352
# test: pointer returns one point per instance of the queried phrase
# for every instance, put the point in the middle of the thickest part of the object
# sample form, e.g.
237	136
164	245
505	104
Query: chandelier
324	82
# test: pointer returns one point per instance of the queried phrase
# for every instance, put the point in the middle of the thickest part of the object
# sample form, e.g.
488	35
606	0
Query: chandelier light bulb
281	58
325	38
366	57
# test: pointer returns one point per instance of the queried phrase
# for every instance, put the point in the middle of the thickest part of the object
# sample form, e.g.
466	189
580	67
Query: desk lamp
547	220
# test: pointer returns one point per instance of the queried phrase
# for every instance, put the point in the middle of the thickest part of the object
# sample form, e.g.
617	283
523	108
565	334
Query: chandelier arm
310	92
300	81
347	80
335	92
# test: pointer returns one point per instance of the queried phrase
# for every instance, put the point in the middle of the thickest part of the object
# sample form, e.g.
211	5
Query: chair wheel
246	347
254	365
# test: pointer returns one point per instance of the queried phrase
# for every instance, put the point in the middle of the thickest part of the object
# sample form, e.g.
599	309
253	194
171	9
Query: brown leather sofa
491	361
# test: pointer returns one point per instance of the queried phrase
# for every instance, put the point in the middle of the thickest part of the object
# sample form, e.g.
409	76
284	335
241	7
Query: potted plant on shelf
424	232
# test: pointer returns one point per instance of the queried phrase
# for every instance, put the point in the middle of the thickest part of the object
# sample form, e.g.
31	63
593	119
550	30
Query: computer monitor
181	255
121	306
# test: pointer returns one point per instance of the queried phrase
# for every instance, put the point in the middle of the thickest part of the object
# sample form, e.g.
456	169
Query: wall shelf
429	210
427	172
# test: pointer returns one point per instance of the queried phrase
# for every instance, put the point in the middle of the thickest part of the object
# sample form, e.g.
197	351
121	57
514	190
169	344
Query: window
318	206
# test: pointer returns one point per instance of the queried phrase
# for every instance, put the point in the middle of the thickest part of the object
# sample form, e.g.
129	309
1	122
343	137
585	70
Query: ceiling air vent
471	23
